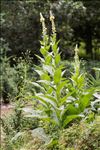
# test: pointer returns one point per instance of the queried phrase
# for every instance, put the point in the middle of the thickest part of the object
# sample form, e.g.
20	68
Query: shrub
24	74
14	79
15	126
81	136
8	87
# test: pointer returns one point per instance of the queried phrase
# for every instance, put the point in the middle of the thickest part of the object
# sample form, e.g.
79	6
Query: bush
8	86
14	79
81	136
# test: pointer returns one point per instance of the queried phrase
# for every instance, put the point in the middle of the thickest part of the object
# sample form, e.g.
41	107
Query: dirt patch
6	109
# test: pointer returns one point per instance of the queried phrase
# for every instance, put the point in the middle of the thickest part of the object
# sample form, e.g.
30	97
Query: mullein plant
63	100
82	95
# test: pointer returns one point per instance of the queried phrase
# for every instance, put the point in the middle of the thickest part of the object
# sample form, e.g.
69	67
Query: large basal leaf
84	100
68	119
52	98
33	113
41	100
69	110
65	98
38	86
46	85
46	100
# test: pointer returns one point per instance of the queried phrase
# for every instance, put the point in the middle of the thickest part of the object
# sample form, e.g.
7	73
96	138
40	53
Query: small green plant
23	76
62	99
95	80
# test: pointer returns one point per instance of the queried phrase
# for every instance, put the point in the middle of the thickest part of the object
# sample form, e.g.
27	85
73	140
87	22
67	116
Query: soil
6	109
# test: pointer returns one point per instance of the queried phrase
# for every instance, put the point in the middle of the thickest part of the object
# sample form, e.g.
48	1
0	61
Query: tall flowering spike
42	20
76	53
52	22
77	62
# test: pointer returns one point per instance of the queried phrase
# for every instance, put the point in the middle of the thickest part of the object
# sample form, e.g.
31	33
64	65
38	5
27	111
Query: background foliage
76	21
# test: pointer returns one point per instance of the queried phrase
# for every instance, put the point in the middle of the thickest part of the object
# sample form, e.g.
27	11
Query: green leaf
40	72
46	99
47	47
49	84
50	90
44	82
81	81
63	72
45	76
54	45
72	110
55	48
41	100
41	42
61	86
52	98
42	60
29	112
84	100
69	110
48	59
48	68
57	76
57	59
64	99
43	50
68	119
38	85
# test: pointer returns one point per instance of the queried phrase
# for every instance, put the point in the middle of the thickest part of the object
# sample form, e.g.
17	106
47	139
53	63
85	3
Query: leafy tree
76	21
